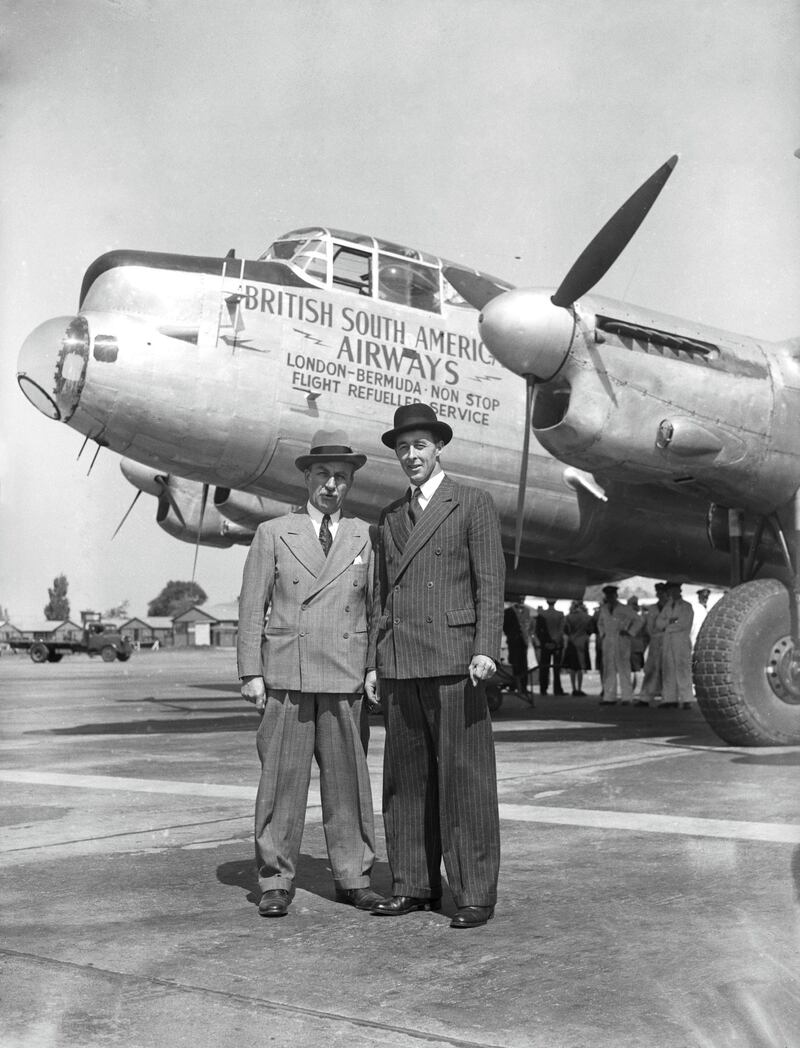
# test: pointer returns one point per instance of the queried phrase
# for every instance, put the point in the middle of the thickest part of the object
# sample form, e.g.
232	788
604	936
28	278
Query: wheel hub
783	671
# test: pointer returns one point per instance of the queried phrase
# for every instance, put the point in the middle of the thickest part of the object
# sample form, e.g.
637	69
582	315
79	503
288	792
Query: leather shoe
400	905
361	898
275	902
472	916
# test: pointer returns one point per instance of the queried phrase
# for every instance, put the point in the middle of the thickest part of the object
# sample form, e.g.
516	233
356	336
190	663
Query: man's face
327	484
418	454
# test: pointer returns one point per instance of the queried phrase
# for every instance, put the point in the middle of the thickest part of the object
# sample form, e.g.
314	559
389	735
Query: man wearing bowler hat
312	569
434	640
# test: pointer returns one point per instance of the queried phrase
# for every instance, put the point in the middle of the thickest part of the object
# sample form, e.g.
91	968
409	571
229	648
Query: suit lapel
351	537
442	504
399	523
302	540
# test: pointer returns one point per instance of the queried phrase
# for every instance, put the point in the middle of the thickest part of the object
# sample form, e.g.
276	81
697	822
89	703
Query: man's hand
371	687
255	690
481	668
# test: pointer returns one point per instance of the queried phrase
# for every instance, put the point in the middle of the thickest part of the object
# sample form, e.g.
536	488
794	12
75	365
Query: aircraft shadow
152	726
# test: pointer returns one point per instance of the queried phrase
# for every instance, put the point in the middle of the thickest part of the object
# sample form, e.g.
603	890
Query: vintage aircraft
664	448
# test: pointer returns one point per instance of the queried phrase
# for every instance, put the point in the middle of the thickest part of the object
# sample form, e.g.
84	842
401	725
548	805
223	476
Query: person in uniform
700	612
305	673
675	621
651	684
434	640
616	624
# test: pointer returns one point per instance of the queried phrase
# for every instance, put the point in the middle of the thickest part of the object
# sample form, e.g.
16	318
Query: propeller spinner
530	331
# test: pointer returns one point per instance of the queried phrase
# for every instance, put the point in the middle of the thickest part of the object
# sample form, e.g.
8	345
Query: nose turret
51	369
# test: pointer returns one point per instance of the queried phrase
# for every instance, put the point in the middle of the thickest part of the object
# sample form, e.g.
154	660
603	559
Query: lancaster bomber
663	447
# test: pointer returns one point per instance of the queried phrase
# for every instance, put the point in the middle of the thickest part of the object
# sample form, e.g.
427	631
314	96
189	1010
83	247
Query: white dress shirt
427	489
316	519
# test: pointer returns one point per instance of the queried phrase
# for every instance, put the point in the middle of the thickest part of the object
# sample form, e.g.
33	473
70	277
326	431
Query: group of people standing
654	641
408	616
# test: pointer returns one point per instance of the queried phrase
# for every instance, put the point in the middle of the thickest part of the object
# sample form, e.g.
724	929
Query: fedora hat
328	446
610	589
416	416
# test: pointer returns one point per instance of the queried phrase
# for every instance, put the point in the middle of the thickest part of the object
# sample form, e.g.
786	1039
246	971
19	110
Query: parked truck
99	638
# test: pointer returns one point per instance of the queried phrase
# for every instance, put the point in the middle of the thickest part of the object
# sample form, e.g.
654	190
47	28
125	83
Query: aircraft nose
51	368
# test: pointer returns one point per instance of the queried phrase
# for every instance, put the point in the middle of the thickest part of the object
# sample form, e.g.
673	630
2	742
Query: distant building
8	632
216	626
193	628
226	627
49	629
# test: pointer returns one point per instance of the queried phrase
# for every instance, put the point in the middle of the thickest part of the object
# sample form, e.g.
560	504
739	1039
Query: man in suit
434	639
312	571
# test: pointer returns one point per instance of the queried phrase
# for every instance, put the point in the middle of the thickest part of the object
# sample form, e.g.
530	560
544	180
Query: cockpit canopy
364	265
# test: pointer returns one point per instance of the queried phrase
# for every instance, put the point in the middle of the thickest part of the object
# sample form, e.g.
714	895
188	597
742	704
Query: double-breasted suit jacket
317	633
439	585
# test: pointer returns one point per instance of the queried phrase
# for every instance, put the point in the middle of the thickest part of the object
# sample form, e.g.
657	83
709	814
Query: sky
501	133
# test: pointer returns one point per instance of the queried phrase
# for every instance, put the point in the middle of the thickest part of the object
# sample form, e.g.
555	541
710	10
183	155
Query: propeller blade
203	501
91	464
167	493
523	469
127	514
473	287
601	254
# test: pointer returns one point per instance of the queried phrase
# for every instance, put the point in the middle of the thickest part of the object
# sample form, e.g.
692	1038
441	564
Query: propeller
601	253
531	332
203	501
127	514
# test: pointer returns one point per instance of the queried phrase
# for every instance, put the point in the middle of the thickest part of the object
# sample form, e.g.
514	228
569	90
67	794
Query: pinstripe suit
312	656
439	601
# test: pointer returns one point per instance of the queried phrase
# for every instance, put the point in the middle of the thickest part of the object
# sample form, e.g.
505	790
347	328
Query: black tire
55	656
39	652
494	698
740	648
108	653
123	656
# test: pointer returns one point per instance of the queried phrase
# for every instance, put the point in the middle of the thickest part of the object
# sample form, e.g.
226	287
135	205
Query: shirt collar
431	484
315	514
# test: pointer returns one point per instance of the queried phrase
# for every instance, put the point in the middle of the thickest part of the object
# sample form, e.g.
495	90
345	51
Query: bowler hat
417	416
610	589
328	447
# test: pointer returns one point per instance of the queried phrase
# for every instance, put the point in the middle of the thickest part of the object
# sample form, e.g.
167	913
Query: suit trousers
440	789
296	726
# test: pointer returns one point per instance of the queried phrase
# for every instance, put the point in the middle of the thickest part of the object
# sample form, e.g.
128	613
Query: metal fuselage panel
225	378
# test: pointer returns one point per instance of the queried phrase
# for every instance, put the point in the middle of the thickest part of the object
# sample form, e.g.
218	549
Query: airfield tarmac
648	893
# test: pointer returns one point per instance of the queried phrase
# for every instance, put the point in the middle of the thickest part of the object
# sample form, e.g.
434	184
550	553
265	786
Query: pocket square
358	560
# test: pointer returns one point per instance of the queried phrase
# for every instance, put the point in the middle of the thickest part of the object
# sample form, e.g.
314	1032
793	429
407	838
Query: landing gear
747	666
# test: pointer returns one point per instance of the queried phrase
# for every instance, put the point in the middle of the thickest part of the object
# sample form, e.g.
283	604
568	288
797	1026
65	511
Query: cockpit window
409	283
352	269
363	265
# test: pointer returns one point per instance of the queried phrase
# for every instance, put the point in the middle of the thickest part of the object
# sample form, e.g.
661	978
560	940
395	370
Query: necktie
325	538
414	508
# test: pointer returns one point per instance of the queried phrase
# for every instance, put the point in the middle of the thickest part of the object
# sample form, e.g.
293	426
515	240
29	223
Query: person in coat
434	640
651	685
616	624
675	621
312	569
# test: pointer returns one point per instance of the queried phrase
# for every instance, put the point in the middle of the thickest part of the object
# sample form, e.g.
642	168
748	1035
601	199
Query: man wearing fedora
434	639
312	571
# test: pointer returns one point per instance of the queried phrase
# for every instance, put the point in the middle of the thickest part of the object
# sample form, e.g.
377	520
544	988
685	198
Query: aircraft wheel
747	683
39	652
494	698
108	654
